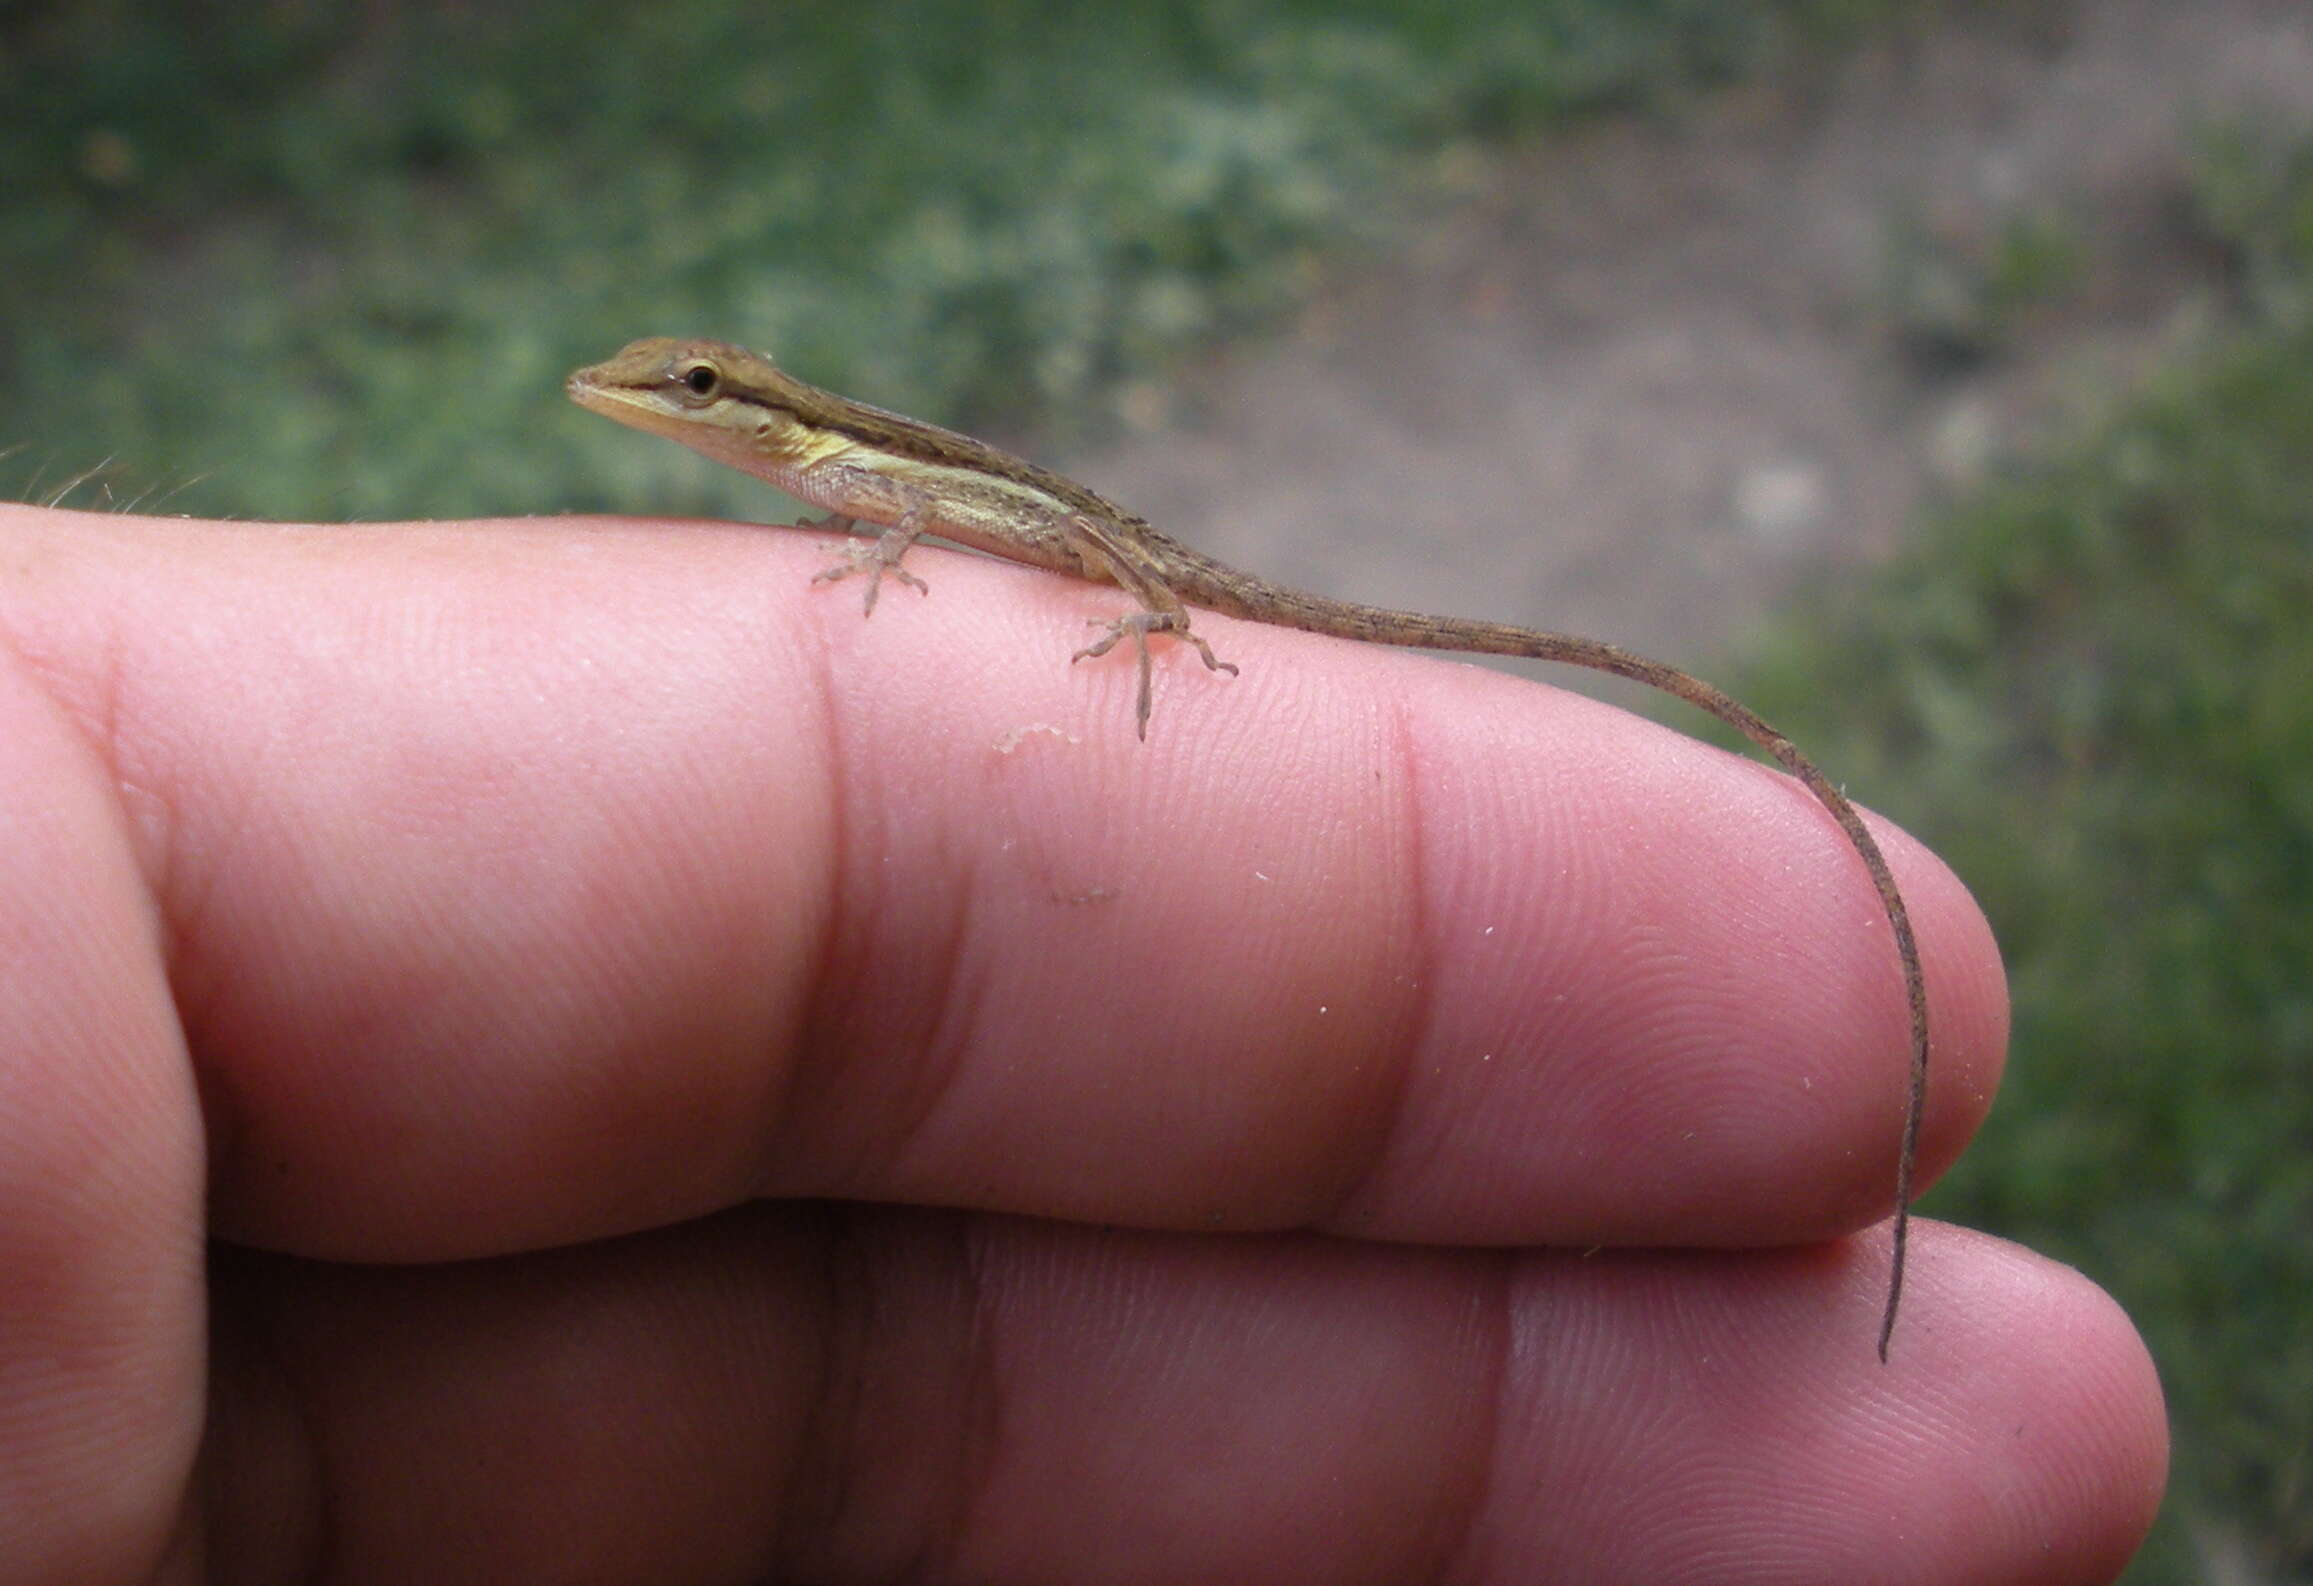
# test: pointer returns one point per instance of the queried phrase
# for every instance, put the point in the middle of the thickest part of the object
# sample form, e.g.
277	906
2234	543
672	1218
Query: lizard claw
875	558
1138	625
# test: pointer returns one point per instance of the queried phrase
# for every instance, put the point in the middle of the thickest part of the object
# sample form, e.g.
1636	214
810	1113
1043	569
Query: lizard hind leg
1138	625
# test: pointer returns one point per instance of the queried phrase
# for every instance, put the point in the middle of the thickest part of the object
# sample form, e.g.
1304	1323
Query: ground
1654	374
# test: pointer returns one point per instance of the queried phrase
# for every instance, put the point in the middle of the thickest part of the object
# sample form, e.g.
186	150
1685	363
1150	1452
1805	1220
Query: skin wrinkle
1392	1157
981	1436
959	1011
193	989
180	893
816	1019
1502	1375
817	1503
840	978
868	1247
88	700
1492	1323
1415	1012
1402	1011
326	1523
933	1066
88	703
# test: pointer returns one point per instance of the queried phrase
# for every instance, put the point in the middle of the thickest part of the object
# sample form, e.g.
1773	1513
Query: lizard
866	465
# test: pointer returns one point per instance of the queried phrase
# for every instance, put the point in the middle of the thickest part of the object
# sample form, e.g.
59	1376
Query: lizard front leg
874	557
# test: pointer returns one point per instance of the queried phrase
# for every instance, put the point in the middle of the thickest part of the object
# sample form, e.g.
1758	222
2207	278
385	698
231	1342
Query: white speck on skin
1018	735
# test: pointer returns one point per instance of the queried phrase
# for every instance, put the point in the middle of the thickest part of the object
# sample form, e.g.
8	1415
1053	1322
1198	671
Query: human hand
688	1085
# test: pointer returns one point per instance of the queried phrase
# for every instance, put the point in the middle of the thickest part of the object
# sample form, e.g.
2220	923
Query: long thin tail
1292	608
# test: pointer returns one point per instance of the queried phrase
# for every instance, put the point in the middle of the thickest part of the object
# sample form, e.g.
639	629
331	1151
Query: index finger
536	882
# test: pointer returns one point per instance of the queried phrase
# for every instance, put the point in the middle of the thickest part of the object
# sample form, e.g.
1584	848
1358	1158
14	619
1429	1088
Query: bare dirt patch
1662	369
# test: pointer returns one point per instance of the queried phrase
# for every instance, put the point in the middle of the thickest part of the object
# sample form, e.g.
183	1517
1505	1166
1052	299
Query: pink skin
1398	1124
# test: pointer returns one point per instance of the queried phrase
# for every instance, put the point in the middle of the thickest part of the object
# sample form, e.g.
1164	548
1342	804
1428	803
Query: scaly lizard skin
865	465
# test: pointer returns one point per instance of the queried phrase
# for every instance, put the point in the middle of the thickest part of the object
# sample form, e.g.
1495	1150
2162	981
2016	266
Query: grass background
247	243
249	250
2090	688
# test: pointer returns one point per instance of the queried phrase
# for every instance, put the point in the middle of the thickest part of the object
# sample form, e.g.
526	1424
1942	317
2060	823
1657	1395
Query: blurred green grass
332	261
2090	688
327	261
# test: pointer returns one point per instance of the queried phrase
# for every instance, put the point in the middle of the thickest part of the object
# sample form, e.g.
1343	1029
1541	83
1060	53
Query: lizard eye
702	380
